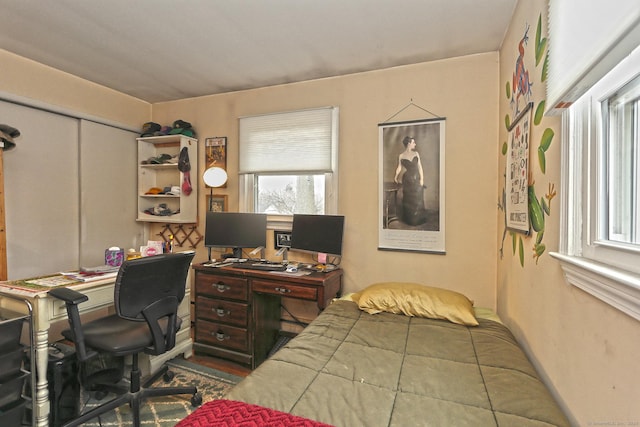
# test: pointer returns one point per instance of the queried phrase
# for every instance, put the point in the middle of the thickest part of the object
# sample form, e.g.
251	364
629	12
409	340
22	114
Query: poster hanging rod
411	103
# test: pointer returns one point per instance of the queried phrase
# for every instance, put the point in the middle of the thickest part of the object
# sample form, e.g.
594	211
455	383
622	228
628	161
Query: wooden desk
47	310
237	311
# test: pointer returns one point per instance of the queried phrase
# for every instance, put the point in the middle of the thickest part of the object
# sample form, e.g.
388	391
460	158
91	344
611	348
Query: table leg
41	400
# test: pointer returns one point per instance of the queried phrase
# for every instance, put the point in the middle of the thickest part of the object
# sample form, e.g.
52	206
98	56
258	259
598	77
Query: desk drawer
285	289
221	335
219	310
222	286
98	298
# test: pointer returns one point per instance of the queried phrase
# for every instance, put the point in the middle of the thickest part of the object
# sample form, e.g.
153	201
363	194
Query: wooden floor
220	364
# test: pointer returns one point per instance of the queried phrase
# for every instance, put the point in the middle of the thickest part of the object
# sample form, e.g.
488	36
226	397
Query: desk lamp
214	177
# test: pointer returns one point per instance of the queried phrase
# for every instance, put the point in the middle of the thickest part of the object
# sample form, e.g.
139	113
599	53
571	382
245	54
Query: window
620	115
600	235
288	162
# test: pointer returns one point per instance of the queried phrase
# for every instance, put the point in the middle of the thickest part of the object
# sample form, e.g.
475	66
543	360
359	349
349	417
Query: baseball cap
150	128
180	127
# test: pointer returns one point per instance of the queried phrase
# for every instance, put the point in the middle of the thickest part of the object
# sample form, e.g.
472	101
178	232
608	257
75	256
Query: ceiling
163	50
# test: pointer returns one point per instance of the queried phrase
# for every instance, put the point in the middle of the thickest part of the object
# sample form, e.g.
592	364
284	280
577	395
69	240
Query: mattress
349	368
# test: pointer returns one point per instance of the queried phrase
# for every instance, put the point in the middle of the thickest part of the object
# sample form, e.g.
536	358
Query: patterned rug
167	411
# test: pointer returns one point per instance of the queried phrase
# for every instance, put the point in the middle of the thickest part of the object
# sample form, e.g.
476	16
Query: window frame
606	269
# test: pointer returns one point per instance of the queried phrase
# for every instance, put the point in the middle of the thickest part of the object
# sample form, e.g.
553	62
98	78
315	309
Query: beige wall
586	350
464	90
33	81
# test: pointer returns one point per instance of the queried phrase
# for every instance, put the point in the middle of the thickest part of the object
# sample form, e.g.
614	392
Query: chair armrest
69	296
71	300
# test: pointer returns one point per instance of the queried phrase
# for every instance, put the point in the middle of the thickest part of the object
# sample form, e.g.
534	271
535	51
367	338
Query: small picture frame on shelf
217	202
281	239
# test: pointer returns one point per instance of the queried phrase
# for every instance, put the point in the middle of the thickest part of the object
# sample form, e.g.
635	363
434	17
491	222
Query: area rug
169	410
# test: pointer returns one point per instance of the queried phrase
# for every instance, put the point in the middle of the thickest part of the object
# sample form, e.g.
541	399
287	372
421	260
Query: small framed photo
281	239
216	153
217	202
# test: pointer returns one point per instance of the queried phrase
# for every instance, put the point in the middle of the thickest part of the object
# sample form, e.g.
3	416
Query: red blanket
230	413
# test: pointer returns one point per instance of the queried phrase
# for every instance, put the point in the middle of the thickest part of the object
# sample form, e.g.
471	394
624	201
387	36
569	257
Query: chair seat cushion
118	336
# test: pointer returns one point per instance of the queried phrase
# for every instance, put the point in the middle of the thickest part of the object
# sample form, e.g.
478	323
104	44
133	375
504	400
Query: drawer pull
221	312
221	287
283	290
221	336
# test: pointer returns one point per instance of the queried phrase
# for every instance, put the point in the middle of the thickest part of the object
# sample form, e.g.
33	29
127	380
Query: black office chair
148	292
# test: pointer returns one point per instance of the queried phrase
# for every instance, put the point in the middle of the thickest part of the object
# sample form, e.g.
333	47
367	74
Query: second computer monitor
318	233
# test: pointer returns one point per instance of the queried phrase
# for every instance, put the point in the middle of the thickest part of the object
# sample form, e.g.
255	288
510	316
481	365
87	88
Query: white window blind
587	38
297	141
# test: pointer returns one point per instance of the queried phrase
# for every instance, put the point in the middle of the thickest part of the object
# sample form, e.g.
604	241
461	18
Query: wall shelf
181	208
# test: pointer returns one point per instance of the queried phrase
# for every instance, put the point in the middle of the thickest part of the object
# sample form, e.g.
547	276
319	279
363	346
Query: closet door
41	192
108	191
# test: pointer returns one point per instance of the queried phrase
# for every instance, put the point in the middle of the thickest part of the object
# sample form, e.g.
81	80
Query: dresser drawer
218	334
222	286
219	310
285	289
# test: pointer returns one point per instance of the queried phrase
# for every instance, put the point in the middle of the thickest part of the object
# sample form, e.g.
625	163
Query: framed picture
517	172
281	239
217	202
215	150
411	186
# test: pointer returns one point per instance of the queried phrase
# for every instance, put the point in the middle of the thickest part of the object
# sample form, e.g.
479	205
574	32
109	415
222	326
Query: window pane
289	194
624	155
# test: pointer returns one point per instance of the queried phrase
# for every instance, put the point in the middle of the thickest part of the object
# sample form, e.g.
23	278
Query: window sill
616	287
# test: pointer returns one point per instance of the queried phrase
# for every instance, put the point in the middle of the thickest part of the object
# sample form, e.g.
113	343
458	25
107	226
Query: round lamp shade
215	177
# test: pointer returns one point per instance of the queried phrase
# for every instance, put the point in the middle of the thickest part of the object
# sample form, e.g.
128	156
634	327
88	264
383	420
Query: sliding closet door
108	191
41	192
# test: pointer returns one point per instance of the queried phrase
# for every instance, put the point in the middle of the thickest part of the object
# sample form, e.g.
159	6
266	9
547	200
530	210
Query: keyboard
265	266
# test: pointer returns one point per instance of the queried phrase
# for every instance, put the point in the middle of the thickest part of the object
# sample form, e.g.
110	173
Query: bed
397	367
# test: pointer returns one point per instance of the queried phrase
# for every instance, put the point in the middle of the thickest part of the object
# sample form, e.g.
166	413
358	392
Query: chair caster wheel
196	399
99	394
168	376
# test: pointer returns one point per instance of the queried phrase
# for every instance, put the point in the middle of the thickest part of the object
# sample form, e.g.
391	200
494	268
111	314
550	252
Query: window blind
587	38
296	141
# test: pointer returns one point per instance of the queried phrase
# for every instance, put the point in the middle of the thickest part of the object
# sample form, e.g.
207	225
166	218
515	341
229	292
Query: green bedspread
349	368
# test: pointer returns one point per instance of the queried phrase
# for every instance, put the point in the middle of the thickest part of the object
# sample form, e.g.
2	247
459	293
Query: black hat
7	133
11	131
150	129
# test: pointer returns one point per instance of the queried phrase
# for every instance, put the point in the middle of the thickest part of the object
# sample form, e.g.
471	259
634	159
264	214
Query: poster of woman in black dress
411	186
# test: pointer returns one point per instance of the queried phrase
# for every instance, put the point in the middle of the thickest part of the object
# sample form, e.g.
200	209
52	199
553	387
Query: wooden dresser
237	311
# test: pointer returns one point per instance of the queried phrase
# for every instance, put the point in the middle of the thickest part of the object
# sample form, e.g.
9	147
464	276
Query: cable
297	321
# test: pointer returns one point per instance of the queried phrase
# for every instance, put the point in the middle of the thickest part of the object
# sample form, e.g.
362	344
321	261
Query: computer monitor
321	234
236	230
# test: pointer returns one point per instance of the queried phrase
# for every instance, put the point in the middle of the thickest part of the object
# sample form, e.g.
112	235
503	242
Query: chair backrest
144	281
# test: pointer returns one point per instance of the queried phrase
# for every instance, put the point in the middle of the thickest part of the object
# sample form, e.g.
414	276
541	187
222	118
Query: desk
47	310
237	313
